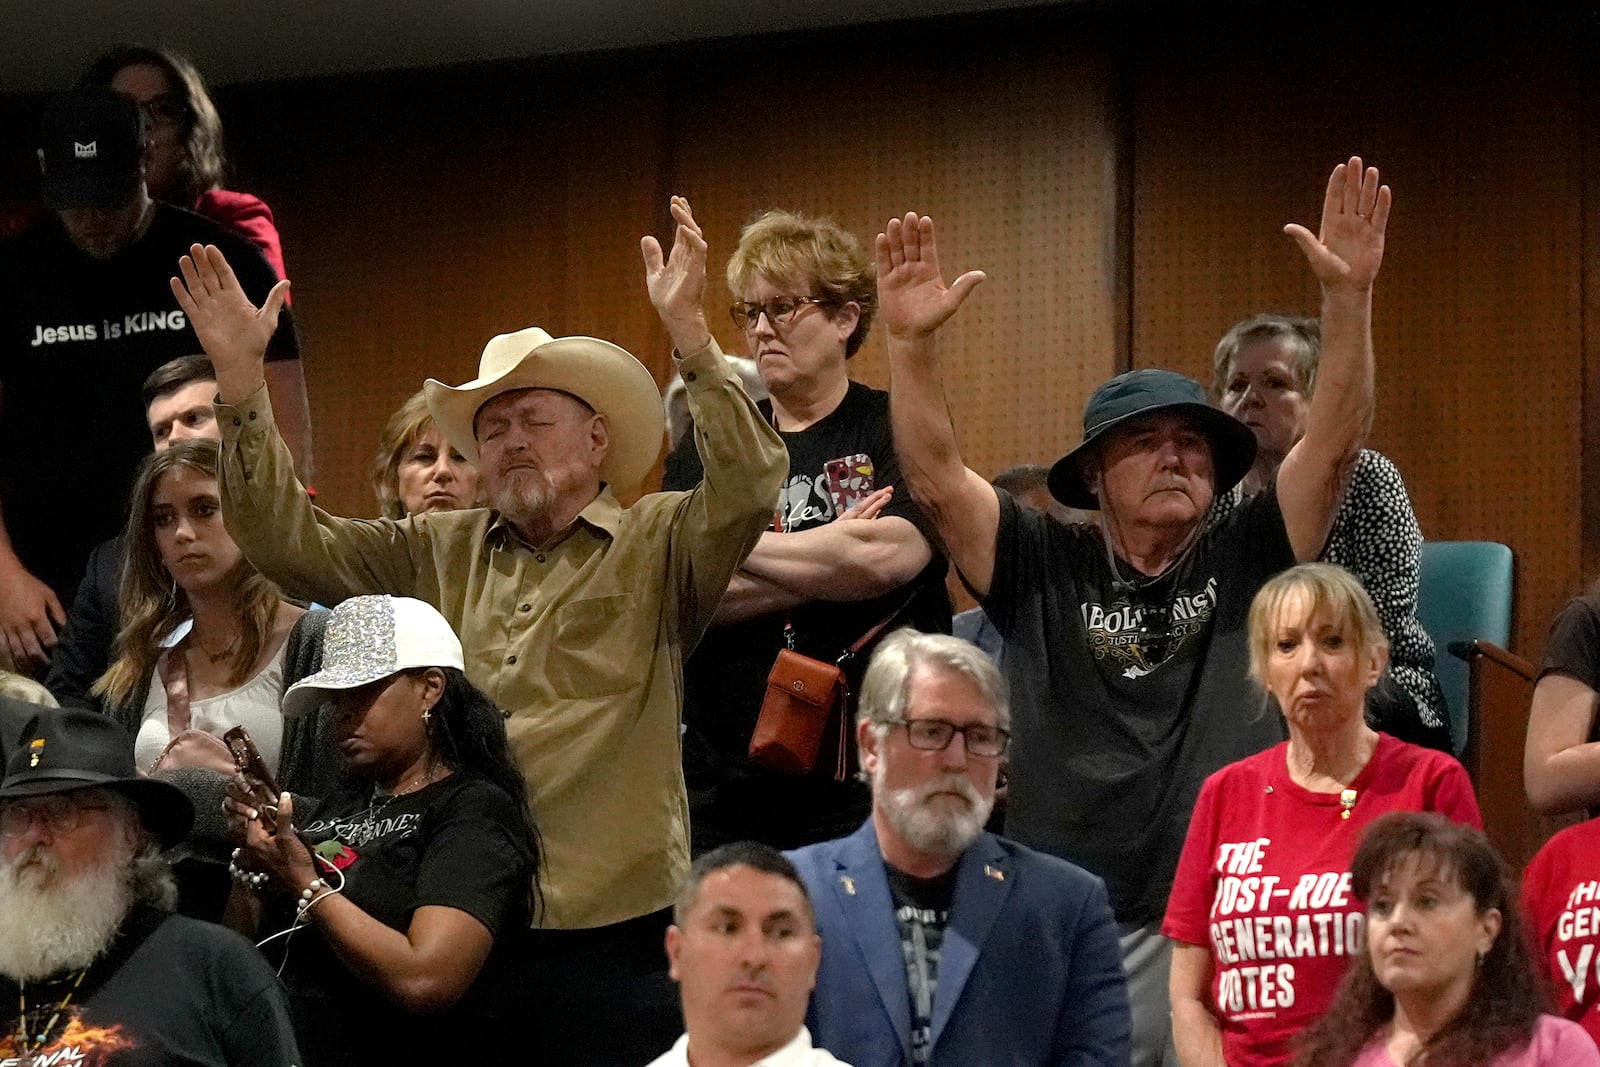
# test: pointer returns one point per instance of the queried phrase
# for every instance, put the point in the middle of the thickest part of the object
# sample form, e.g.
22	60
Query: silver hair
1302	336
886	689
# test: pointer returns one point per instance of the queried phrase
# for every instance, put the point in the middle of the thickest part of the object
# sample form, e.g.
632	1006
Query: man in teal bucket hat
1126	640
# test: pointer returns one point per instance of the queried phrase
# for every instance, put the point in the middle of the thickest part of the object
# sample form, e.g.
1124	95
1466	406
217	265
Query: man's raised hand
677	282
1348	251
913	299
233	331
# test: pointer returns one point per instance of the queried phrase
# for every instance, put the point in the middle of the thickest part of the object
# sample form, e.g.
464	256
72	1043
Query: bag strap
175	680
872	634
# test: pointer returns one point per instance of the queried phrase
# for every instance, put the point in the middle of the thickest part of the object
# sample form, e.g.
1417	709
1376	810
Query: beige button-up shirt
581	642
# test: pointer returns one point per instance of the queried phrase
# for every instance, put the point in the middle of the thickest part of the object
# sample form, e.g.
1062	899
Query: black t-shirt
170	991
78	336
1126	695
455	843
1574	644
921	911
726	677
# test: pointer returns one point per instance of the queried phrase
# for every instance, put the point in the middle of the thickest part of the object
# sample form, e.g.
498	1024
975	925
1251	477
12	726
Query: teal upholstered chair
1465	598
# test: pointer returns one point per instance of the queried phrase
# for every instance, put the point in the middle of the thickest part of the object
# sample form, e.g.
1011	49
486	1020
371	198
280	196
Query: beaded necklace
55	1016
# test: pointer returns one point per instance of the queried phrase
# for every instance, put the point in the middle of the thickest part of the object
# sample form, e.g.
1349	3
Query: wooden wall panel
1477	322
422	215
1010	156
424	212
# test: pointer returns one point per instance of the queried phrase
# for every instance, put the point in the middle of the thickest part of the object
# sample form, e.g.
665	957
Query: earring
427	714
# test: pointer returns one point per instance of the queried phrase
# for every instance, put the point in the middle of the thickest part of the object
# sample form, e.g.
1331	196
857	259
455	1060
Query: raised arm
744	462
1345	256
302	548
913	302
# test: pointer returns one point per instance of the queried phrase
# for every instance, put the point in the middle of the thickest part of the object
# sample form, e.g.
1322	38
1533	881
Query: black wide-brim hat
64	750
1138	393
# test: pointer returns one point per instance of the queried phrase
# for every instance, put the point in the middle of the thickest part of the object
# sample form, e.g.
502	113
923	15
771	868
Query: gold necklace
55	1016
226	650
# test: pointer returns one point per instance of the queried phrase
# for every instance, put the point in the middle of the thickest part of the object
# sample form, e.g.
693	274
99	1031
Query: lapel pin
996	874
36	748
848	883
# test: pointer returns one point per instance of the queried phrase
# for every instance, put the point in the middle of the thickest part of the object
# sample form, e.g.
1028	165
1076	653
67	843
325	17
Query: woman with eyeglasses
185	163
1262	917
1444	977
847	552
407	892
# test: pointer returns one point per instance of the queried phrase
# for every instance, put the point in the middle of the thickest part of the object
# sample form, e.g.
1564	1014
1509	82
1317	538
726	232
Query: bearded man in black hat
100	970
1126	641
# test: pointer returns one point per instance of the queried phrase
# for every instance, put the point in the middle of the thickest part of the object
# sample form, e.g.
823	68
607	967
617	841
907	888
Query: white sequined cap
372	637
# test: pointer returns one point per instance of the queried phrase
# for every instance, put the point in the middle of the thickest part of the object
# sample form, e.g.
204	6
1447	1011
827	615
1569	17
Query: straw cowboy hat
602	375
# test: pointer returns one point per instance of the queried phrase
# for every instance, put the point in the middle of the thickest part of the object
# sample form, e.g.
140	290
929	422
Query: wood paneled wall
423	213
1122	173
1478	316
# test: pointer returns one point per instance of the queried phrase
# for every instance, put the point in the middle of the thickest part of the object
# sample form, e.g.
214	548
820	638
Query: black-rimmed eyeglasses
779	310
934	735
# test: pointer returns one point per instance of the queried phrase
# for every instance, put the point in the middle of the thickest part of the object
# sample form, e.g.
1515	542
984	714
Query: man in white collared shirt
744	950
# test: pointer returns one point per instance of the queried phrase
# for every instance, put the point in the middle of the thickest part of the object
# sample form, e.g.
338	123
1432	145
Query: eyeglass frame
745	319
61	817
1001	734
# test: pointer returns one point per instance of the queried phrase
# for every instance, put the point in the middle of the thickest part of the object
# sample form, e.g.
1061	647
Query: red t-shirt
1561	895
1264	880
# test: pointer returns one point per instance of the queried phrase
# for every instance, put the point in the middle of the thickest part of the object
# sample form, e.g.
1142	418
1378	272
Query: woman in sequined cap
405	897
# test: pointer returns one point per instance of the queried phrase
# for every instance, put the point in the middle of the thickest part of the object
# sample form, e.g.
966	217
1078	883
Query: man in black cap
1126	642
87	315
99	969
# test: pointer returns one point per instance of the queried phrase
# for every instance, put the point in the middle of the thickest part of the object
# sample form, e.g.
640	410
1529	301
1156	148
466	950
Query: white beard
49	924
526	497
945	826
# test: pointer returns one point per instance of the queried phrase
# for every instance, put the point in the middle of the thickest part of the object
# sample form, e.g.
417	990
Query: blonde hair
816	257
21	687
409	422
1321	587
152	605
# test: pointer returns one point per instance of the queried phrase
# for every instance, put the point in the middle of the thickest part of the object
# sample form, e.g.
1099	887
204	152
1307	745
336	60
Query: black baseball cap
90	143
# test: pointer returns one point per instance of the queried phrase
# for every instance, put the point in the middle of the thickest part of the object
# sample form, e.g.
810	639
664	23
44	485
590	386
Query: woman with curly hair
1446	978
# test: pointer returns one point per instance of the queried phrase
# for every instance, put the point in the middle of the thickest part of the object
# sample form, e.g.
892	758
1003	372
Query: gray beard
527	500
61	925
941	827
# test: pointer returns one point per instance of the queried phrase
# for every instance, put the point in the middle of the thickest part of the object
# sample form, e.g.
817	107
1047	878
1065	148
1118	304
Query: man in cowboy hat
575	613
1126	642
99	968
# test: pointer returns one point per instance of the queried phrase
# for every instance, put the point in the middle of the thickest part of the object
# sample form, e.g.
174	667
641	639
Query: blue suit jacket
1030	971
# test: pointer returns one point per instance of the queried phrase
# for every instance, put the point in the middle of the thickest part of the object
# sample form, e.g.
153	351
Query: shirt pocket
599	648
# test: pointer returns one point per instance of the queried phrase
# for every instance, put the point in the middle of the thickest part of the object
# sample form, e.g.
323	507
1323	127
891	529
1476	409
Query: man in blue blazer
943	944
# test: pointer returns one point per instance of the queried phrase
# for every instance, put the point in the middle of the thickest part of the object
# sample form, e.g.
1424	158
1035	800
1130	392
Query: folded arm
913	303
1345	256
846	560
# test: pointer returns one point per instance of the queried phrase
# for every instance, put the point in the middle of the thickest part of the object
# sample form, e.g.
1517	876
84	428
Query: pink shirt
1556	1043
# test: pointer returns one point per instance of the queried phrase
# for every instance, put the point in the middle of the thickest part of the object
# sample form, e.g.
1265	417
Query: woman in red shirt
1261	913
